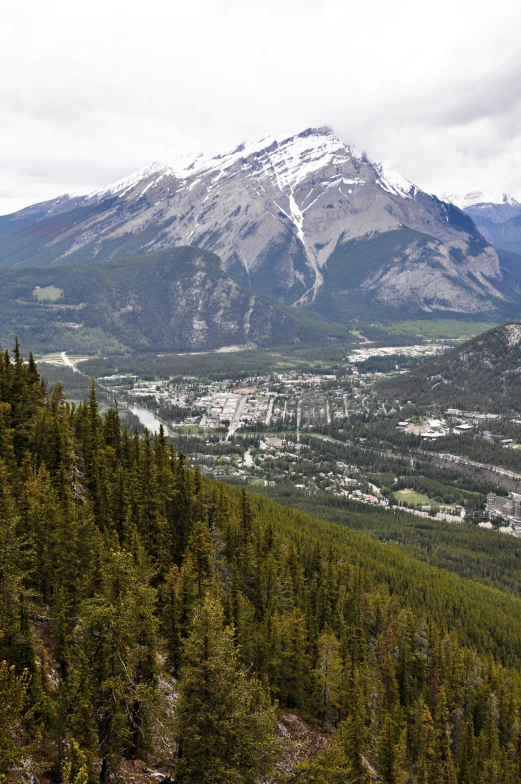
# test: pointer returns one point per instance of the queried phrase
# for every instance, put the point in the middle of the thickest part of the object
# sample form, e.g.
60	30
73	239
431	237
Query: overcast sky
92	91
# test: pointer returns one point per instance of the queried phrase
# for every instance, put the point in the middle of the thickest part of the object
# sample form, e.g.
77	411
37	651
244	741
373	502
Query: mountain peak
292	158
302	218
289	159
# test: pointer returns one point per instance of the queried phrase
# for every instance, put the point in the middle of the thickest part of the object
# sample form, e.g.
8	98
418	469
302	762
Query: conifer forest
149	613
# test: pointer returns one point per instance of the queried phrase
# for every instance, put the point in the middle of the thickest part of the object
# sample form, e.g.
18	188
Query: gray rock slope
295	219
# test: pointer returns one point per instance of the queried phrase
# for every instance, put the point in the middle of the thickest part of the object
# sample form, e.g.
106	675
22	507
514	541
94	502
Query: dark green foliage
273	263
481	374
15	723
147	303
225	726
140	570
464	549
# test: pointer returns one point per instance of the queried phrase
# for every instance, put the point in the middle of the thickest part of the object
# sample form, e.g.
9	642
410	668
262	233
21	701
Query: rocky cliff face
277	213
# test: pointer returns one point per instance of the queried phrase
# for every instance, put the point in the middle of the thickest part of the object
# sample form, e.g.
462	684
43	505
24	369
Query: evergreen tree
332	765
328	674
224	718
16	744
116	643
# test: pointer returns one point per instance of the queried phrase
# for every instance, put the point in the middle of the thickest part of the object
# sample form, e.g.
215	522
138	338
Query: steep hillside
154	621
290	218
370	278
483	374
178	299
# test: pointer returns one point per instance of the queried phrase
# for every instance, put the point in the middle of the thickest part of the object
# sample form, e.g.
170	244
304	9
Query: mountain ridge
497	216
276	212
481	374
475	197
180	299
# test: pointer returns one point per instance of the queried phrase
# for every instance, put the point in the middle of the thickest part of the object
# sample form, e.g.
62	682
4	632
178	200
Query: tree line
147	612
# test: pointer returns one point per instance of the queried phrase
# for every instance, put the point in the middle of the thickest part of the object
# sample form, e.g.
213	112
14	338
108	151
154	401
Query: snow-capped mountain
498	216
473	198
304	219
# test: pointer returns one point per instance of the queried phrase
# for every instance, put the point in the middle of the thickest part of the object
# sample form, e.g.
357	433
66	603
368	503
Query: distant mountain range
498	217
472	198
305	221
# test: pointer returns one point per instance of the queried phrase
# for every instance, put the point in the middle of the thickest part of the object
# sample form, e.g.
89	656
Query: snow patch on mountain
289	159
394	183
124	185
472	198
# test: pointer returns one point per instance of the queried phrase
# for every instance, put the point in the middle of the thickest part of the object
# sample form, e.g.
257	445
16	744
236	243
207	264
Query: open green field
191	429
412	497
47	293
442	328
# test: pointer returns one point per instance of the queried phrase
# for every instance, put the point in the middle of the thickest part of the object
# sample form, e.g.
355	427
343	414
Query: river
149	420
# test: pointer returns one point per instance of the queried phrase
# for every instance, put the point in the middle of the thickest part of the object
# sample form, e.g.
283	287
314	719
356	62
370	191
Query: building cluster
506	509
423	350
473	422
472	418
459	423
429	428
274	401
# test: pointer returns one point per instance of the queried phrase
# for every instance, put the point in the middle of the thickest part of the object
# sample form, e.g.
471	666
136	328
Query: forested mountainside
149	613
178	299
482	374
304	219
466	550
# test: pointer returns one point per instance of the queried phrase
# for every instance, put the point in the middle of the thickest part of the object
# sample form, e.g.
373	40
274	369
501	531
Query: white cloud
95	90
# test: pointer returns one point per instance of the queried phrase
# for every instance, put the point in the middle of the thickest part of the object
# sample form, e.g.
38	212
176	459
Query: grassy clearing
191	429
442	328
47	293
412	497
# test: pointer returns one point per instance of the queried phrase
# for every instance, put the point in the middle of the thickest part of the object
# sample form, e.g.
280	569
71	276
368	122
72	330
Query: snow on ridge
393	182
475	197
297	157
286	160
125	184
291	157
